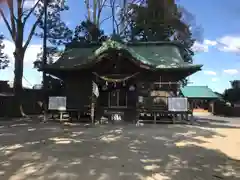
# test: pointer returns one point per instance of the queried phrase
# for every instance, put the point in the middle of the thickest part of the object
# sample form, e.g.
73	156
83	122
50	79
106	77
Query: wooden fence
32	100
221	109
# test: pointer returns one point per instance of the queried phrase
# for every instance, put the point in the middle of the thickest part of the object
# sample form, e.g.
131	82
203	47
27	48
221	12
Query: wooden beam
162	83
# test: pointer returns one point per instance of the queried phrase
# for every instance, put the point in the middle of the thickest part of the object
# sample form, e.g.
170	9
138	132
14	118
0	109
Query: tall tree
58	33
161	21
15	25
233	94
84	33
88	32
52	54
235	84
20	13
4	60
94	10
155	20
119	12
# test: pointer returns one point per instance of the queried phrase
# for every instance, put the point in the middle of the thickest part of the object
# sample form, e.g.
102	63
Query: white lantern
132	88
140	99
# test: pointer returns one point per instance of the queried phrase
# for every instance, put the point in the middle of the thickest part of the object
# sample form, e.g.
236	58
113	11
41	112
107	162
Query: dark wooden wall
78	90
32	103
155	95
78	84
221	109
131	98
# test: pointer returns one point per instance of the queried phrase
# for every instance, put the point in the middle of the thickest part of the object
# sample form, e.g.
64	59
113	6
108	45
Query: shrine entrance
117	98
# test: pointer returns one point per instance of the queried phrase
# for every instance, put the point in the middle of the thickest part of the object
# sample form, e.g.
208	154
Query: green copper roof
163	56
157	56
198	92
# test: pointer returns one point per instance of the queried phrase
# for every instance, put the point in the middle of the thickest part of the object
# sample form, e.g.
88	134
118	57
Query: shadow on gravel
40	151
218	122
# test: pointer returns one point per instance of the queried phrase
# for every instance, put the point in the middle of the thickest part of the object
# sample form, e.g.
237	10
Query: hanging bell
106	83
124	83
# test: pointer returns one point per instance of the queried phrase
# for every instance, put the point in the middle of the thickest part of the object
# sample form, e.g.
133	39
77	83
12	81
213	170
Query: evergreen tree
4	60
160	21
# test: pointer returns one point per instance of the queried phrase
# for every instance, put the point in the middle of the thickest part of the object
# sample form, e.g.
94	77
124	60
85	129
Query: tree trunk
18	75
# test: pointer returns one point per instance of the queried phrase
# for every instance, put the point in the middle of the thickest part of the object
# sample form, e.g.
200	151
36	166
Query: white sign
177	104
116	117
57	103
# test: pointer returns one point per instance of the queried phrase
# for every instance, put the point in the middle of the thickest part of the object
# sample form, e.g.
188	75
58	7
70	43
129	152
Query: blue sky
219	20
219	51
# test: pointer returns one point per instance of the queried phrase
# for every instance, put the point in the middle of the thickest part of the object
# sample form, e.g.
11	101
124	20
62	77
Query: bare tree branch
7	24
101	4
32	31
23	1
30	12
94	15
125	15
12	19
88	9
105	19
95	11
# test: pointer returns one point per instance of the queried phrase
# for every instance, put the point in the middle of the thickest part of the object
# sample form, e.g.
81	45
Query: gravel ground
52	151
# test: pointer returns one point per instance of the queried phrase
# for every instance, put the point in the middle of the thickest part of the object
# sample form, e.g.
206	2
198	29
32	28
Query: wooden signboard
177	104
58	103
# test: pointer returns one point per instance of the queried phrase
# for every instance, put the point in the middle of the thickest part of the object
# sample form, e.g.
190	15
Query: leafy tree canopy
52	54
87	33
160	21
58	33
4	60
232	95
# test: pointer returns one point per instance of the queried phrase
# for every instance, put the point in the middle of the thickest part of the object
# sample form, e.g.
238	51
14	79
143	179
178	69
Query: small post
174	118
61	116
92	111
155	117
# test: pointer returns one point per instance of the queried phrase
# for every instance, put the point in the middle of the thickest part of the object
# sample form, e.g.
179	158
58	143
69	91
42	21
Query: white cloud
210	73
225	44
231	71
199	47
215	79
30	54
210	42
30	74
229	44
204	46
